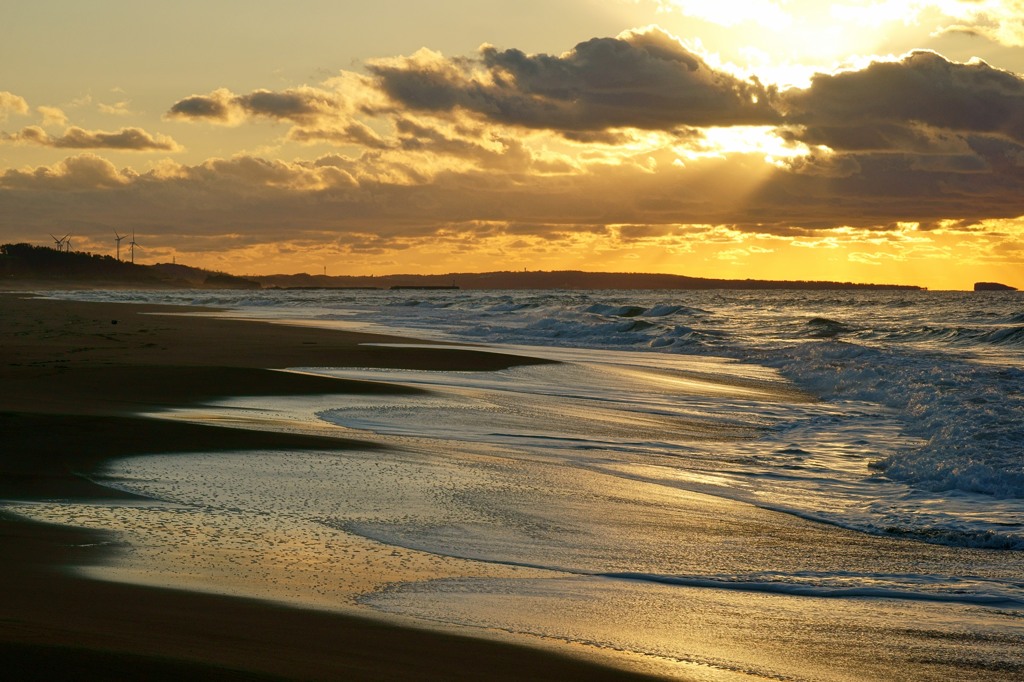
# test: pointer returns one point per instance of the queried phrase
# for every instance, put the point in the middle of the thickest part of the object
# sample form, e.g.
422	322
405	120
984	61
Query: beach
74	377
723	487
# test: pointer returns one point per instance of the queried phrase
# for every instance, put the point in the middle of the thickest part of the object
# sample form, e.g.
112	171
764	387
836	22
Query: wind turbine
118	238
67	243
59	242
131	247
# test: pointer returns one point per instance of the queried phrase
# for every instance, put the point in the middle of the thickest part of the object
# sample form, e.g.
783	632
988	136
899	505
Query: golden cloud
303	106
644	79
52	116
125	139
11	103
78	173
905	104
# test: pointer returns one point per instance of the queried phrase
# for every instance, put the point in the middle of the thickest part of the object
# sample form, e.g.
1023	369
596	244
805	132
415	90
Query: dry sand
72	375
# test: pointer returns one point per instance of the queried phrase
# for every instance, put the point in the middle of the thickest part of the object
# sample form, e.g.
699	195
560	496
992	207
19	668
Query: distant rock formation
993	286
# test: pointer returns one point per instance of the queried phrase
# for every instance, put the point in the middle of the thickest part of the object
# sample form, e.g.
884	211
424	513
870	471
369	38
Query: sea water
703	476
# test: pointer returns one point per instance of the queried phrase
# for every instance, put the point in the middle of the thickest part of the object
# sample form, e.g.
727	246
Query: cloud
116	109
126	139
494	151
11	104
915	104
248	175
919	138
304	105
77	173
381	192
317	115
382	204
216	107
825	164
873	259
644	79
594	137
997	20
53	116
300	105
623	139
354	132
884	188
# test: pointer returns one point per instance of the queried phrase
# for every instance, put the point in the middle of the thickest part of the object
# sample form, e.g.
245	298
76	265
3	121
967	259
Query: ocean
719	484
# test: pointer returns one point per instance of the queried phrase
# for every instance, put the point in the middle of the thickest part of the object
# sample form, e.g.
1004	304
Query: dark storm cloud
643	80
126	139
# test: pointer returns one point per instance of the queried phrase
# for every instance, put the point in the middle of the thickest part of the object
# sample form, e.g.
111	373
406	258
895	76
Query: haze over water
812	485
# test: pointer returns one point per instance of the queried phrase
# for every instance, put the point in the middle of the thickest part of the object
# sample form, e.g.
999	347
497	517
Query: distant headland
27	266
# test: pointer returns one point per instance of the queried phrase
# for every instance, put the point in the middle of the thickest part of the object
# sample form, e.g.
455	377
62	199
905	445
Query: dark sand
71	380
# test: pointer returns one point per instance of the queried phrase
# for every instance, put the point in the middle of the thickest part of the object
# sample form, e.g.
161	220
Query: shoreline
75	375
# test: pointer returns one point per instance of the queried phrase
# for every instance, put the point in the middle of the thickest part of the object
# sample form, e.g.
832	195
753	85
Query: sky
876	141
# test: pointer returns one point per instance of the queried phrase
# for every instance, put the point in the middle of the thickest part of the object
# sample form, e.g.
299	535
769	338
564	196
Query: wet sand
74	375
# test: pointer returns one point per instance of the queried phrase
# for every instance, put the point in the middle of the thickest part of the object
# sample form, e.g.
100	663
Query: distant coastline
558	279
24	266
